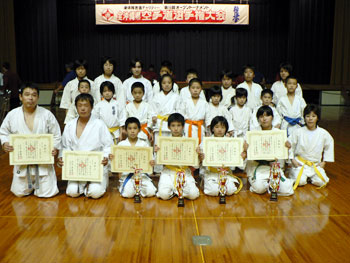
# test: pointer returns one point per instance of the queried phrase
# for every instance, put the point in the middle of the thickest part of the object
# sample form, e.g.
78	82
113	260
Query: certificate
82	166
179	151
127	158
222	151
31	149
267	145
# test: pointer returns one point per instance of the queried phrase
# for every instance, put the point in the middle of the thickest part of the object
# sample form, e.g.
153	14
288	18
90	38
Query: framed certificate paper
127	158
82	166
31	149
179	151
222	151
267	145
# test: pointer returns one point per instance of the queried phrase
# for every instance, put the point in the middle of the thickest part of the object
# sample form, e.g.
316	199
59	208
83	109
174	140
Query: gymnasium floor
311	226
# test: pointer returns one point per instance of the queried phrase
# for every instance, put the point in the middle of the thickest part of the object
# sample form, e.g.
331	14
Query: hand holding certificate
31	149
127	158
221	151
82	166
267	145
178	151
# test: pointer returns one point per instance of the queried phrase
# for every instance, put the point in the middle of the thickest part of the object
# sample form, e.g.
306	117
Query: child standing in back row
253	89
110	111
195	110
291	107
240	113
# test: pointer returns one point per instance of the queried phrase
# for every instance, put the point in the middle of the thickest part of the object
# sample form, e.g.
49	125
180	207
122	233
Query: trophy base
273	196
137	199
181	203
222	199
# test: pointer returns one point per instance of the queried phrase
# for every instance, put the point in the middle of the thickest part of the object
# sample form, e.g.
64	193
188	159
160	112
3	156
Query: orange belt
199	125
144	129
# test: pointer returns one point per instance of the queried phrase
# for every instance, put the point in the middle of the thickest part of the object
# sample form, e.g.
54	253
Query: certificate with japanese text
127	158
222	151
267	145
31	149
82	166
179	151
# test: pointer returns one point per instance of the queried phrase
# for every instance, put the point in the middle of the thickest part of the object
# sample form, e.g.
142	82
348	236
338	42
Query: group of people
135	113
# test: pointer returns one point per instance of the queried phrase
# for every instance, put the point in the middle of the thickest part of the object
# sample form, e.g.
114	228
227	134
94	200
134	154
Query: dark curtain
297	30
36	39
7	34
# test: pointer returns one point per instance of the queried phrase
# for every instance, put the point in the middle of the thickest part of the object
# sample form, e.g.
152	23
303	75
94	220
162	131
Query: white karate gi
186	94
311	146
254	123
279	90
44	123
95	137
147	97
119	94
192	112
112	113
259	174
240	119
163	105
71	91
227	94
128	190
167	188
219	110
254	94
296	110
211	182
143	114
156	88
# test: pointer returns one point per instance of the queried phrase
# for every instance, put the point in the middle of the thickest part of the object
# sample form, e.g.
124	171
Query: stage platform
311	226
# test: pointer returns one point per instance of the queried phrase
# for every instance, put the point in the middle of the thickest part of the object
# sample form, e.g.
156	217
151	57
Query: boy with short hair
140	110
266	98
291	107
258	172
166	188
110	110
31	119
127	182
83	87
253	89
87	133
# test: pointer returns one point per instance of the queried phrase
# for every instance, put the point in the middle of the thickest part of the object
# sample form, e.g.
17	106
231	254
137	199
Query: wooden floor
311	226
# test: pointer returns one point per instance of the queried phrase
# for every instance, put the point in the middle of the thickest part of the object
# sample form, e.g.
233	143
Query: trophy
180	182
137	179
275	178
222	185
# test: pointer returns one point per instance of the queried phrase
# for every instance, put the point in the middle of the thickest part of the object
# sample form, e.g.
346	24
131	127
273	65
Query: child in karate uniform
312	147
219	127
258	172
111	111
166	187
127	181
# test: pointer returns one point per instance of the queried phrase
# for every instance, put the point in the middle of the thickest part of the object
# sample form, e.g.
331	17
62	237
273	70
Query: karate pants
47	185
93	189
167	189
309	172
260	182
147	187
211	184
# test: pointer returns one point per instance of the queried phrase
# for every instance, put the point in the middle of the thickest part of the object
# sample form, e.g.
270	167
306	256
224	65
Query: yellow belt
112	130
162	119
176	169
216	170
308	163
